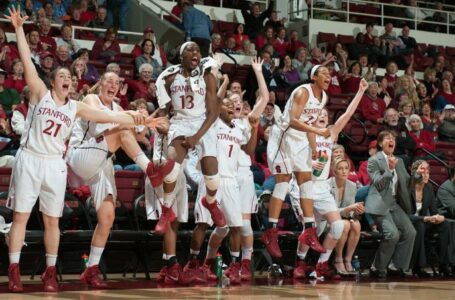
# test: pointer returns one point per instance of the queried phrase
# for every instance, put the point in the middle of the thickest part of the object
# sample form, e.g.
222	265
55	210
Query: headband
184	45
313	70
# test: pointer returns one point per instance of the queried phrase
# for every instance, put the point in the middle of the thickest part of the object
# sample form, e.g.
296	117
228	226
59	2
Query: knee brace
281	190
212	182
221	231
306	190
336	229
174	174
246	229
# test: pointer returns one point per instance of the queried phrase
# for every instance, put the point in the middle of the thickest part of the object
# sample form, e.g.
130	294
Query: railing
298	9
266	2
163	10
432	4
381	6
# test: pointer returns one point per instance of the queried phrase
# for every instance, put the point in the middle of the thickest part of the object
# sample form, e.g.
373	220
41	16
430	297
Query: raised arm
223	87
344	119
263	98
37	87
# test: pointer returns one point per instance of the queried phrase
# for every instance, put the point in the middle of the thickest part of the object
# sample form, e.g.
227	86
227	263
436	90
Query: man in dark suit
389	203
446	197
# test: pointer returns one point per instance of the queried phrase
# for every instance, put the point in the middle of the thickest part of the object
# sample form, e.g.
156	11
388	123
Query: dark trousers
203	44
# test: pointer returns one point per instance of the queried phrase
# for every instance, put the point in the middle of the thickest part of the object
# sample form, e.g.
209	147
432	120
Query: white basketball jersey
309	114
84	130
245	127
230	140
324	144
188	104
48	126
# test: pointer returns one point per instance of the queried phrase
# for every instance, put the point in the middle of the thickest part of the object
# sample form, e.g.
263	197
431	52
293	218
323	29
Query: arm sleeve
18	122
380	180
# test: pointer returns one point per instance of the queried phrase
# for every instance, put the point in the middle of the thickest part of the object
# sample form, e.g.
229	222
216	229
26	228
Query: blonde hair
339	160
411	90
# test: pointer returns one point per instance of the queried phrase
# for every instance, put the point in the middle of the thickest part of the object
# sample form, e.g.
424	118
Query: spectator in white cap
446	131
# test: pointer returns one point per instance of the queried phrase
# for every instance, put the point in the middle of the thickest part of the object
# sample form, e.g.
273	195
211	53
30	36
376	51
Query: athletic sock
234	256
51	260
14	257
246	253
95	256
142	161
194	254
273	223
325	256
308	222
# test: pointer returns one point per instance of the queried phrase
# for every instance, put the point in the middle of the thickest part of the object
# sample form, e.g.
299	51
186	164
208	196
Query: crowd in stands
418	112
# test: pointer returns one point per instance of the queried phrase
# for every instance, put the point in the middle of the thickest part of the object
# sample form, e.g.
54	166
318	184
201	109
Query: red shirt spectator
294	43
334	86
45	35
372	107
239	36
362	174
106	49
16	79
423	138
350	84
266	38
280	44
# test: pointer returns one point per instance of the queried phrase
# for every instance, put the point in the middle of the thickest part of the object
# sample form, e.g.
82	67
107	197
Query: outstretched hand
15	17
363	85
256	64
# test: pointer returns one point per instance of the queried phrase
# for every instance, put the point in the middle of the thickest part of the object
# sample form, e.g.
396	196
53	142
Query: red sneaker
215	212
162	274
191	265
309	237
175	275
198	275
167	217
245	271
91	277
270	240
323	271
207	269
301	269
14	276
156	173
233	272
49	279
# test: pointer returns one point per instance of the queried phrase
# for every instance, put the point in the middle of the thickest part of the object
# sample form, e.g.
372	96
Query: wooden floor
263	289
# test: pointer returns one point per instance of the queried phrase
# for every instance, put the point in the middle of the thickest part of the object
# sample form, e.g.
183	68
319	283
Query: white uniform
154	196
230	140
188	101
245	178
288	149
40	169
89	158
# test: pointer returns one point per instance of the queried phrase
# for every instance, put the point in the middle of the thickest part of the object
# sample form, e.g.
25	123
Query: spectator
49	10
426	220
424	139
409	44
87	15
316	56
405	144
363	172
47	64
148	49
63	58
358	48
396	12
235	87
351	81
290	73
378	52
75	16
254	19
267	37
369	37
46	38
446	196
9	98
448	75
301	64
59	10
344	191
439	16
335	79
429	80
445	96
268	116
229	46
280	43
382	91
20	113
429	120
392	42
140	88
39	15
216	46
16	79
198	26
391	76
239	36
422	93
446	131
413	12
159	54
8	51
372	107
36	47
294	43
67	40
177	11
389	202
100	21
28	7
108	48
274	22
404	84
247	48
92	75
117	13
80	69
405	110
339	151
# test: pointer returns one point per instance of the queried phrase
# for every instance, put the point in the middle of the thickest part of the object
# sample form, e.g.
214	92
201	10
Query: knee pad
306	190
336	229
174	174
281	190
246	229
221	231
212	182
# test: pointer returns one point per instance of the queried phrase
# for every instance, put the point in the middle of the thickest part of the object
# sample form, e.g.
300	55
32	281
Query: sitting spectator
49	10
351	81
372	107
9	98
382	91
391	76
36	47
268	116
46	36
100	21
429	120
392	42
239	36
294	43
198	26
87	15
20	113
316	56
140	88
63	58
404	84
378	52
230	46
344	191
59	10
274	22
67	40
254	19
39	15
359	47
247	48
413	12
8	52
148	49
363	172
280	44
422	93
159	54
368	36
446	131
424	139
446	196
389	203
341	54
426	220
290	73
92	75
79	68
335	79
108	48
445	95
408	44
430	80
47	64
216	43
301	64
405	110
16	79
267	37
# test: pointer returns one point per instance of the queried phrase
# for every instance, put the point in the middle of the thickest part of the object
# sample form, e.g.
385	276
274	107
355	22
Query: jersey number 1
189	99
50	129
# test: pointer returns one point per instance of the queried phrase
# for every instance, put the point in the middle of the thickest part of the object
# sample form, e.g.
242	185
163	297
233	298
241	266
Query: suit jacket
350	189
446	199
380	199
429	204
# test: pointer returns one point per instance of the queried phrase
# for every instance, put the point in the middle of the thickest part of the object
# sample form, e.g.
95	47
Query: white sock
308	219
95	256
14	257
142	161
51	260
211	252
164	257
246	253
301	255
325	256
194	252
168	199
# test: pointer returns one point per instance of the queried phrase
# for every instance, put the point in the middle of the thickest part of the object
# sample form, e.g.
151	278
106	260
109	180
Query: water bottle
356	267
219	266
84	261
322	159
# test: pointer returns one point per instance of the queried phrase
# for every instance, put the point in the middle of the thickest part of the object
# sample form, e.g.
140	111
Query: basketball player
191	90
90	161
323	201
39	169
290	150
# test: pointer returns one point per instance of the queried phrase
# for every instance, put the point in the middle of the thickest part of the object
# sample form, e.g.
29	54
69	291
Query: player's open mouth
327	81
65	86
230	112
